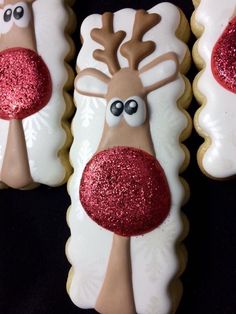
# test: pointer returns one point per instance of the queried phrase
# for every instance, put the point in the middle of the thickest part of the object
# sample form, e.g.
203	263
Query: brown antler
110	41
135	50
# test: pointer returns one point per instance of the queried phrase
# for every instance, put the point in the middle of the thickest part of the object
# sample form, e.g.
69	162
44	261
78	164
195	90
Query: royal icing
25	86
216	83
223	58
31	91
152	256
125	206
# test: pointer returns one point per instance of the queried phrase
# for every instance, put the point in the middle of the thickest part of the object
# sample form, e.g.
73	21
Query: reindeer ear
92	82
161	71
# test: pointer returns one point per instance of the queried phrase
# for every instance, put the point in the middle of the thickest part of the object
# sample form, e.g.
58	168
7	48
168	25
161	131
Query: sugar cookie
126	193
34	134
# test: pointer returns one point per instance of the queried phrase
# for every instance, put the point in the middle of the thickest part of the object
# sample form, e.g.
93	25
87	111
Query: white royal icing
154	260
158	73
217	119
92	84
43	131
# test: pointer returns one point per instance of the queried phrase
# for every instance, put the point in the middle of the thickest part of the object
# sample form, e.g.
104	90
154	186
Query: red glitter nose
125	190
223	60
25	83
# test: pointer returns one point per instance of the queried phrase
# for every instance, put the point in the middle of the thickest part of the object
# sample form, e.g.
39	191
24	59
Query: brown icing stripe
116	295
15	169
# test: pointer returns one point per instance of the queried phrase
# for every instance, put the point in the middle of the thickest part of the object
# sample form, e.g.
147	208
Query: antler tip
135	50
110	40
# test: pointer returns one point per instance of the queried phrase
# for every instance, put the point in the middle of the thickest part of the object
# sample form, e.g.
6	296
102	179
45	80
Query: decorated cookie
33	100
215	86
126	193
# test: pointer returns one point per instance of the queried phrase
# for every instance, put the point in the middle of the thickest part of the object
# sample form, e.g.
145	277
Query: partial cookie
126	193
215	85
34	103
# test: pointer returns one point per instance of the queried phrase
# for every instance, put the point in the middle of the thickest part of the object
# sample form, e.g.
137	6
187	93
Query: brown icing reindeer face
126	122
17	25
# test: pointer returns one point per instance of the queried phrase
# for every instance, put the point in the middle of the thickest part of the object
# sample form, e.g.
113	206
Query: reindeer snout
125	190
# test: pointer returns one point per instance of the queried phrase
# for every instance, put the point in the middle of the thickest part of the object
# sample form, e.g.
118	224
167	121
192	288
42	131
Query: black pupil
131	106
18	13
7	15
117	108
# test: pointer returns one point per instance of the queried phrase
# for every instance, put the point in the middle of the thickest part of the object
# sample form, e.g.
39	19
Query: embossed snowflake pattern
152	269
89	106
85	153
155	248
34	170
153	305
34	124
89	280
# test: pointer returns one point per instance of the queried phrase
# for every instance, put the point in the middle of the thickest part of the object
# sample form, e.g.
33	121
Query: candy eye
18	12
22	14
131	106
6	19
114	112
117	108
135	111
7	15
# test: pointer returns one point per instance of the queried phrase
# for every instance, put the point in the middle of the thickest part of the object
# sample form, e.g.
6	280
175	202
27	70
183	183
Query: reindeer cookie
215	86
33	98
126	193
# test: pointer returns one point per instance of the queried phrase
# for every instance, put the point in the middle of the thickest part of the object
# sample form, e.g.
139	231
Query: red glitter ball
25	83
223	60
125	190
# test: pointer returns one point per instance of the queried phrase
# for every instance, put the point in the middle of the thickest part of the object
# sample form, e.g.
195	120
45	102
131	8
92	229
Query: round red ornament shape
25	83
125	190
223	59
